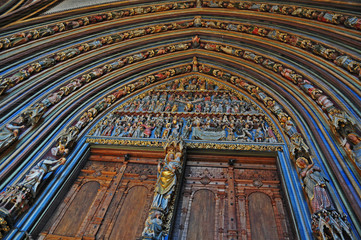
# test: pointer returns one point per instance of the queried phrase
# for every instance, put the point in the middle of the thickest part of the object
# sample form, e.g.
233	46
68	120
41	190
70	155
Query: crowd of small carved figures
338	57
229	128
296	11
191	108
187	109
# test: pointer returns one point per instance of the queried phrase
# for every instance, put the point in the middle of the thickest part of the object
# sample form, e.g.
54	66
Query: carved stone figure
341	121
68	137
314	184
298	146
355	147
348	63
9	134
287	124
147	130
59	150
167	177
353	22
34	113
154	226
35	176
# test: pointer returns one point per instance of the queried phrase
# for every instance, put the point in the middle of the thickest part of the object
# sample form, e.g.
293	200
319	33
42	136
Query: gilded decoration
320	49
336	18
188	144
192	108
157	225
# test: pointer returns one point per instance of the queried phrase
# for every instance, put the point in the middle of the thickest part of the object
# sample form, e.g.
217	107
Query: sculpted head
353	138
170	157
301	162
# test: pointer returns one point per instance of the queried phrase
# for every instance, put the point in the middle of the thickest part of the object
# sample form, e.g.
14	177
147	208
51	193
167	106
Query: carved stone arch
235	25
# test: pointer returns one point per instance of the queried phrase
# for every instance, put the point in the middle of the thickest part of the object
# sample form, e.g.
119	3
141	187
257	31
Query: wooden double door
230	197
222	197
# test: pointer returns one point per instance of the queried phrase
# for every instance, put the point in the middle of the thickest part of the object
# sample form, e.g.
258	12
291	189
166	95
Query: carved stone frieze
291	10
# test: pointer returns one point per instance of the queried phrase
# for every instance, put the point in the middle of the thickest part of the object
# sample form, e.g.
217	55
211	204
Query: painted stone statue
167	179
355	148
8	134
314	185
34	178
153	227
166	187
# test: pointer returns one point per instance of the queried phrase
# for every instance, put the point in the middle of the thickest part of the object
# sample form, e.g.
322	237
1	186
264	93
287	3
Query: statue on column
167	179
34	178
166	187
17	198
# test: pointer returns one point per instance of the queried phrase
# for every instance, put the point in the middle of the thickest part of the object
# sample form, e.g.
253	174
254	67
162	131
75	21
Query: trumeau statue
167	178
167	185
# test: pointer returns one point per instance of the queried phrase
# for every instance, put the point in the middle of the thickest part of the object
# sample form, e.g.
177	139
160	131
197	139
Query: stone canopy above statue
193	108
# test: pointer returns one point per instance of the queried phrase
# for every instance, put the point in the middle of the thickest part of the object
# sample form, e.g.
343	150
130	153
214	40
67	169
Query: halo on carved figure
193	108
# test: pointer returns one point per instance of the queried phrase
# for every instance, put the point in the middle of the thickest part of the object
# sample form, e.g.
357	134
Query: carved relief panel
193	108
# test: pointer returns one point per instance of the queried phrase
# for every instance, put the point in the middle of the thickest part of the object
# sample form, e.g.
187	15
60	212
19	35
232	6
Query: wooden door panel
262	218
246	198
129	218
202	217
77	210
